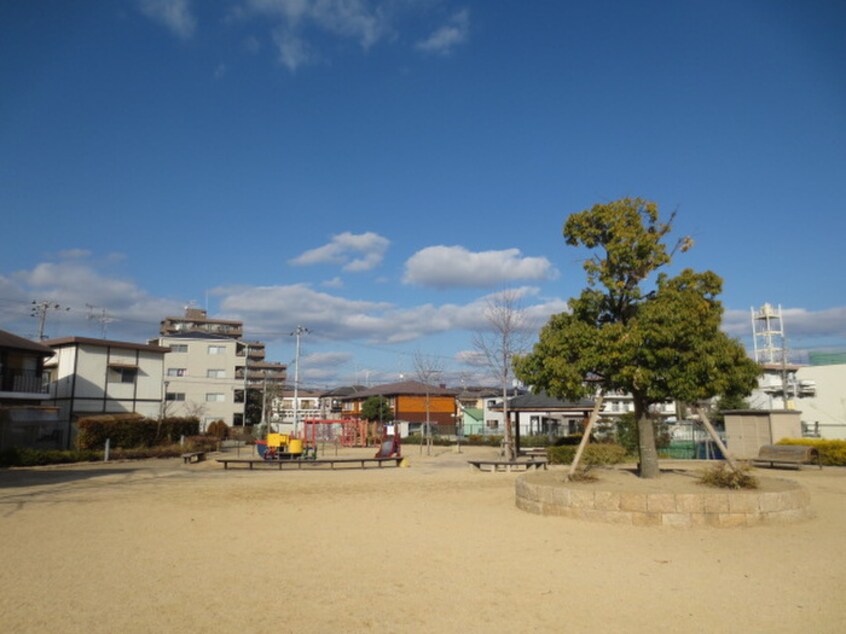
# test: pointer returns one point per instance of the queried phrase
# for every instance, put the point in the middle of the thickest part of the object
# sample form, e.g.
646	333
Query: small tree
657	345
499	344
427	368
377	409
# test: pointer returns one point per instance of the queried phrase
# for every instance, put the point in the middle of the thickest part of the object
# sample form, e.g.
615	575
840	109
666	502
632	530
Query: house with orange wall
411	402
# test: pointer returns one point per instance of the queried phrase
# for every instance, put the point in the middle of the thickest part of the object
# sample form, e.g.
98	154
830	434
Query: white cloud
355	252
176	15
444	40
335	282
69	254
75	283
293	51
455	266
349	19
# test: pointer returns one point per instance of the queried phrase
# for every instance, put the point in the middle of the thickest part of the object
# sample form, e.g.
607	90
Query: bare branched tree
504	337
427	369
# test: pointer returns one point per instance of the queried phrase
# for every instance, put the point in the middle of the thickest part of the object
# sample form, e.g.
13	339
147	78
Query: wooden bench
507	465
795	455
534	452
361	463
194	456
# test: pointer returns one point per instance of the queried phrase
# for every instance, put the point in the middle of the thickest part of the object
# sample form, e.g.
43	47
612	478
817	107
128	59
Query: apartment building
101	376
197	320
24	422
206	375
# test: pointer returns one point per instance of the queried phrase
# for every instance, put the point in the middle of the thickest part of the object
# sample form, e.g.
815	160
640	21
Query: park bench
795	455
332	463
194	456
493	466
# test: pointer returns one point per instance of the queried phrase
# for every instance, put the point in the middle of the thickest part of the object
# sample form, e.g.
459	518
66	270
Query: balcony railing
22	382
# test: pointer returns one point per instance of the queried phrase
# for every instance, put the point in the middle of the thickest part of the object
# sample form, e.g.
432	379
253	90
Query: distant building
824	405
206	374
101	376
412	402
197	320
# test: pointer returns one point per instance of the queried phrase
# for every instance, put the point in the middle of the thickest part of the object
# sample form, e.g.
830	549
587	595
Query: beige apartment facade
204	377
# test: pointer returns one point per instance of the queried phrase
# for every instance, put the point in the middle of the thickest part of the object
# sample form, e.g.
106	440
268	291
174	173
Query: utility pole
299	332
246	367
39	310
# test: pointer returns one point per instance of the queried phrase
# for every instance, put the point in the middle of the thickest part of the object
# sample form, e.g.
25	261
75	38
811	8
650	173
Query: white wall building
823	412
99	376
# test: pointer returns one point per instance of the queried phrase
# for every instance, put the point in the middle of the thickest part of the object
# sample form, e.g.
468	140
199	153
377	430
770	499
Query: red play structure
351	432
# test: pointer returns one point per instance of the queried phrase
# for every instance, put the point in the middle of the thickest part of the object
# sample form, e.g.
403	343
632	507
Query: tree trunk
648	466
509	432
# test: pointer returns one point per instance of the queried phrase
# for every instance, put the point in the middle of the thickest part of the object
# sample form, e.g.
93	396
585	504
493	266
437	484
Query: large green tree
658	343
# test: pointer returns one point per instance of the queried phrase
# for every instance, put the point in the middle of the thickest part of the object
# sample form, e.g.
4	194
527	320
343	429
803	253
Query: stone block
731	520
633	502
744	502
690	503
581	499
676	520
606	501
646	519
715	502
661	502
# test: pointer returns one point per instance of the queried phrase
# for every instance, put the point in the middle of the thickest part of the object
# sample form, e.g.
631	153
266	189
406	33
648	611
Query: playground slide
388	449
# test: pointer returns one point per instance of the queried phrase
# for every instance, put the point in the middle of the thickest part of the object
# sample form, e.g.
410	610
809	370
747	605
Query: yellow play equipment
280	446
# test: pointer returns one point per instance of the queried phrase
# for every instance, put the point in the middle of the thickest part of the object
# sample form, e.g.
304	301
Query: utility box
749	430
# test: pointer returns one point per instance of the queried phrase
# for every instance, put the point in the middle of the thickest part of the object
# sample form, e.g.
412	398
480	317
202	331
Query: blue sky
377	170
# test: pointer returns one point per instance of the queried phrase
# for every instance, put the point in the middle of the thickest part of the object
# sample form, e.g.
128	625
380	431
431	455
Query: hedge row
832	452
39	457
132	430
594	455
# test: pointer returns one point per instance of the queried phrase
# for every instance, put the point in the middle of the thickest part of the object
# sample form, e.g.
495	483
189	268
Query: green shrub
572	440
832	452
534	440
132	430
724	477
39	457
594	454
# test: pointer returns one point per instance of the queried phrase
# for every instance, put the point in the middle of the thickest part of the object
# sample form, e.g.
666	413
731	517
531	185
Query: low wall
685	506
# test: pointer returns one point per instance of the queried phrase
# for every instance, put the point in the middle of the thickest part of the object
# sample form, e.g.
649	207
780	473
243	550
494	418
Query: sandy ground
160	546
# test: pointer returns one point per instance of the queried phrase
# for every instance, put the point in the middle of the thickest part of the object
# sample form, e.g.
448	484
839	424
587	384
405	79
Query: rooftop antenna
103	318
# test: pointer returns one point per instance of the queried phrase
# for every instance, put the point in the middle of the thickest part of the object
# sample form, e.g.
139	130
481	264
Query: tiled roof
415	388
103	343
8	340
545	402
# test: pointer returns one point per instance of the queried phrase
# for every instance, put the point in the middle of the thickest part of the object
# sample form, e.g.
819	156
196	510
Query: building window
216	374
176	371
493	424
216	397
217	349
122	374
175	396
179	347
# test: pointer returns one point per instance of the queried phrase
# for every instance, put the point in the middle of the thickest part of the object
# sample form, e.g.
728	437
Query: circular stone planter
675	499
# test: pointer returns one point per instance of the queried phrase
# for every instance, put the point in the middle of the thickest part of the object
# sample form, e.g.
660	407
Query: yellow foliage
832	452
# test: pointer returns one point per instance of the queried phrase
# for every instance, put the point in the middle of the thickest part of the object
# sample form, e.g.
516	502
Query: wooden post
716	438
594	415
